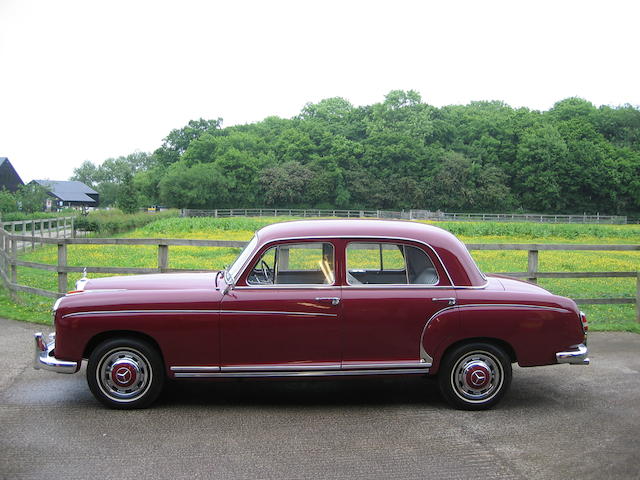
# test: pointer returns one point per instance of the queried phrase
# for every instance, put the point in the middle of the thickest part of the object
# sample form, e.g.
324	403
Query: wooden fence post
63	285
5	249
33	235
163	257
73	227
14	259
638	297
532	267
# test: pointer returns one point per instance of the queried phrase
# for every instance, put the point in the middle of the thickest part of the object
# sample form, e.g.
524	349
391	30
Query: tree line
401	153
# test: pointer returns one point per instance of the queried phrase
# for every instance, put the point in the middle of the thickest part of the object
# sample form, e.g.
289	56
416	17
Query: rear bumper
576	356
44	359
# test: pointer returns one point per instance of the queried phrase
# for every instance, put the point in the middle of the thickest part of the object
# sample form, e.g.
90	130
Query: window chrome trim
294	285
376	237
311	286
406	270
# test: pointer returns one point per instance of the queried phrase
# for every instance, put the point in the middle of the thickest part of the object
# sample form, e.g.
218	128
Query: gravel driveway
556	422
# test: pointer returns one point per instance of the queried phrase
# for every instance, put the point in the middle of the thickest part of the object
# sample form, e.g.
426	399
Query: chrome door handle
449	300
333	300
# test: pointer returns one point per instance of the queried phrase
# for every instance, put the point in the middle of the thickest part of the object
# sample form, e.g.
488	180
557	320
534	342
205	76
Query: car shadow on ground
342	392
308	392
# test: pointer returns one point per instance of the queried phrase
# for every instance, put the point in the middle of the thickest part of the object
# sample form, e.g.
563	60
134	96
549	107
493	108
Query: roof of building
69	190
9	178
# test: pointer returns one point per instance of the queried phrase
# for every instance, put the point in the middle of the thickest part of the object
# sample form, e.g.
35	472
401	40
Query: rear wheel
475	376
125	373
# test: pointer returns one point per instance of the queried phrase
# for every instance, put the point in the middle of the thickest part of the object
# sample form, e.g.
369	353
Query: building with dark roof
69	193
9	178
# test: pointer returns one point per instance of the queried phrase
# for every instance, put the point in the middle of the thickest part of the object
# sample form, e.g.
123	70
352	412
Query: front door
286	314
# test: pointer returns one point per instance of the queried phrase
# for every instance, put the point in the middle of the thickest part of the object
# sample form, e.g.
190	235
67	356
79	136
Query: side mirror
228	288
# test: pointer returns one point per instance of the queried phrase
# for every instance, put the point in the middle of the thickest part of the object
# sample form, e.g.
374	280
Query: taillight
585	325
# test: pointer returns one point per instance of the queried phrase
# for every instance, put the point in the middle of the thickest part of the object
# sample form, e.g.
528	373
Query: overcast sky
88	80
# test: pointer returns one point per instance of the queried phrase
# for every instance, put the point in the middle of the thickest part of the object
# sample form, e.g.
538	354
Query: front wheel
125	373
475	376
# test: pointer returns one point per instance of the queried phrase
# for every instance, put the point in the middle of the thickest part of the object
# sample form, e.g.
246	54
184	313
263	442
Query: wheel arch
103	336
506	346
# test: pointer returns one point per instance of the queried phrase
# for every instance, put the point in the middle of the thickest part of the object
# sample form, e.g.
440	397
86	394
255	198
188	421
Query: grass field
601	317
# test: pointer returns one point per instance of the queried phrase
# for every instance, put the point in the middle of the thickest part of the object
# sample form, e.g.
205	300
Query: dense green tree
286	184
178	140
127	194
400	153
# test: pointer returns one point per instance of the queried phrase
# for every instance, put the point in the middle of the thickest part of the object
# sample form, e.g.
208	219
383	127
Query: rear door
392	289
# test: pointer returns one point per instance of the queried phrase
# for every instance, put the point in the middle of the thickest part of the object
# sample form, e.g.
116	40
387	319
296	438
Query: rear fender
440	331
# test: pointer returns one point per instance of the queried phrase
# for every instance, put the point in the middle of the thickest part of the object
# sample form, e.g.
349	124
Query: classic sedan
316	298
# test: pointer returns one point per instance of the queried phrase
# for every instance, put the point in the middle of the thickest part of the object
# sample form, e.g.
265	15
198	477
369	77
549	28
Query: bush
19	216
109	222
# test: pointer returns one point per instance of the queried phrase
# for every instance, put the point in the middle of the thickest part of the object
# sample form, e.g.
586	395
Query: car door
285	313
392	289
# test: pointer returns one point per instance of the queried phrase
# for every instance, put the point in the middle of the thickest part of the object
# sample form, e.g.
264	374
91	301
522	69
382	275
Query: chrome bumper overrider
574	357
44	359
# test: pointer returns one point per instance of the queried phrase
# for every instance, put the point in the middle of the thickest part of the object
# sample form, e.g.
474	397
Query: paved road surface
557	422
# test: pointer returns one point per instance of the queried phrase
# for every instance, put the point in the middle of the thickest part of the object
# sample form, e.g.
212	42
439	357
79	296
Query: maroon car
317	298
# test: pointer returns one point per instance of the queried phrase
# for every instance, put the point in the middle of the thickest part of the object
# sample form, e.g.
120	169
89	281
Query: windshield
233	271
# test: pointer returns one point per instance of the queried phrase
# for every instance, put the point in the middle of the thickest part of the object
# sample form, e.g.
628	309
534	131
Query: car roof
455	256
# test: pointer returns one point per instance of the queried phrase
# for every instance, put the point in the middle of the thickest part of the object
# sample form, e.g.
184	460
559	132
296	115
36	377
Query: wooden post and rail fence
406	215
9	261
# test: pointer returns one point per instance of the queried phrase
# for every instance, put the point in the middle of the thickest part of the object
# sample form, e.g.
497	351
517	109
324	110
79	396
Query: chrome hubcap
124	374
477	377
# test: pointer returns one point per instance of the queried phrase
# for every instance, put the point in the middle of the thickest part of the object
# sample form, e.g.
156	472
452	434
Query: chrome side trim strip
281	367
269	312
514	305
136	312
195	369
384	365
323	373
196	312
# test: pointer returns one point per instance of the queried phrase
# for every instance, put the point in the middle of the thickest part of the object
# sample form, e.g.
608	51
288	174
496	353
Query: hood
161	281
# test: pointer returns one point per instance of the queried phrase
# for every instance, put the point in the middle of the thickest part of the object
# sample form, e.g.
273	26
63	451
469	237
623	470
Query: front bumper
578	356
44	359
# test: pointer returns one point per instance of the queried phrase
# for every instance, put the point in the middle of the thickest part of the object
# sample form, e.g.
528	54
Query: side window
295	264
389	264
